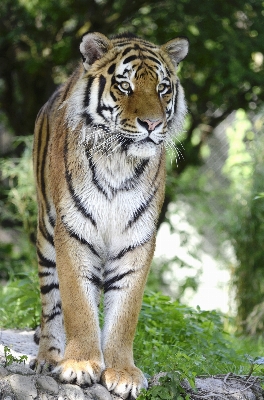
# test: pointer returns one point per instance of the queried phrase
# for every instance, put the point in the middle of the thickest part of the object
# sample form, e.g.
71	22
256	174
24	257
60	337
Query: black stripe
76	199
53	98
130	248
130	183
51	220
124	43
66	89
113	96
95	280
140	168
100	105
151	52
122	253
54	348
56	310
45	262
53	315
39	146
108	285
176	97
42	164
48	288
155	60
49	336
130	58
127	50
42	274
81	240
143	207
94	177
45	233
111	69
88	92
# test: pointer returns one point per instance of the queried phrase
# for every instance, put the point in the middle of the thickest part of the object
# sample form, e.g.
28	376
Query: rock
20	369
23	387
5	390
3	372
154	381
73	392
230	387
48	384
98	392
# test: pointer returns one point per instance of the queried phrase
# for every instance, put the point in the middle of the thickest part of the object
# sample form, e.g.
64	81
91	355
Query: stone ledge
19	382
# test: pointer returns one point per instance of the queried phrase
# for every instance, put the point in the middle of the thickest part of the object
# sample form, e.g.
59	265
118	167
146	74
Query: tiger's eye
161	87
124	85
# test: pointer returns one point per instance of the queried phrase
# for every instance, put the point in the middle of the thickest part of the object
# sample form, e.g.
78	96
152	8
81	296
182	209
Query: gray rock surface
48	384
19	382
23	387
73	392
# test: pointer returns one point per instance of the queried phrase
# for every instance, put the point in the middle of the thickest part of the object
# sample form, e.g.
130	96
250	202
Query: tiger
99	166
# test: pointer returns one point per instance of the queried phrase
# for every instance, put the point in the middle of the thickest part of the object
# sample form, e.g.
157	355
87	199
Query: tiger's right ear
93	46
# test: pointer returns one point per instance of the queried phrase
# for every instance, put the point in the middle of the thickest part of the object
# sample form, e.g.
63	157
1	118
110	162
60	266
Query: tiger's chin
143	150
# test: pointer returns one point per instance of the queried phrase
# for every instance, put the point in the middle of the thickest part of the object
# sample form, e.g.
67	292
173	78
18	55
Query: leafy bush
20	302
186	342
19	297
171	335
21	205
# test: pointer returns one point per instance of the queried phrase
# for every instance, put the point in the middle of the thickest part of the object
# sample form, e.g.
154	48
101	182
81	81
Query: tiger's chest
111	200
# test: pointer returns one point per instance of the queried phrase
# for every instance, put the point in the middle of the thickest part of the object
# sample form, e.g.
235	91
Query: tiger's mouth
127	141
150	140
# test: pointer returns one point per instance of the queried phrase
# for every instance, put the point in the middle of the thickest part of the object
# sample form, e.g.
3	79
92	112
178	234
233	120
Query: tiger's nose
150	124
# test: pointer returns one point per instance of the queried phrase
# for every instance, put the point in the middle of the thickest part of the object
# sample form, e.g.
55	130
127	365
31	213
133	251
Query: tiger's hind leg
52	336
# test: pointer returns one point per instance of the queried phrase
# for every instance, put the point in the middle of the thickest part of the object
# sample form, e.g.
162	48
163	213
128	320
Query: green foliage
20	302
20	207
19	297
10	359
21	197
185	343
170	388
174	337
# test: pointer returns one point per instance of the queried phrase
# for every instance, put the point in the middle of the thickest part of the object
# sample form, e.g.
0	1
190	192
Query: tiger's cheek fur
99	163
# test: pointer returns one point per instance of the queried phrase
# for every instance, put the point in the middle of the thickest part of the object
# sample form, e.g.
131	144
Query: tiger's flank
99	164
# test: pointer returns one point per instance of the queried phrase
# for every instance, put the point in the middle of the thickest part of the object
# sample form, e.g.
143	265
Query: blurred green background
217	180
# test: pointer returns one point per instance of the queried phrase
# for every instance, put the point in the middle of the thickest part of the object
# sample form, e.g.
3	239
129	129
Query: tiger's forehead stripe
124	42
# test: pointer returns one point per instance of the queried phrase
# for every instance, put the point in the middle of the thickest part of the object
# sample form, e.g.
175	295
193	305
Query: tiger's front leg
80	284
124	287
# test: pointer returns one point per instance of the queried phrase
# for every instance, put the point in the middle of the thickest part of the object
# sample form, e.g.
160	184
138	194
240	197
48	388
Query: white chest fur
110	200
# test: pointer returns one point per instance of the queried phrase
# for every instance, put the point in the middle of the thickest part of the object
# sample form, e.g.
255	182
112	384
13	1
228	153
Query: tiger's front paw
81	372
123	382
43	364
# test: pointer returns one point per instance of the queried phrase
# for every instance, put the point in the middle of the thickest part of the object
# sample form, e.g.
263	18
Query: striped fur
99	162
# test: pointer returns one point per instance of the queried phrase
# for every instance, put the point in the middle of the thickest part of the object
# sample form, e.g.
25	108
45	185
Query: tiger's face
130	91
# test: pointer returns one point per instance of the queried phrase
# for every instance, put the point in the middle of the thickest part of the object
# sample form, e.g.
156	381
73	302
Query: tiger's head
129	92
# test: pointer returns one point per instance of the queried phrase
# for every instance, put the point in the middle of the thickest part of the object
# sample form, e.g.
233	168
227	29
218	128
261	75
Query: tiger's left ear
177	49
93	46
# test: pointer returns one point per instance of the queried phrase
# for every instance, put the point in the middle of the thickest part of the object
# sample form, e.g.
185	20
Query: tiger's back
99	161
